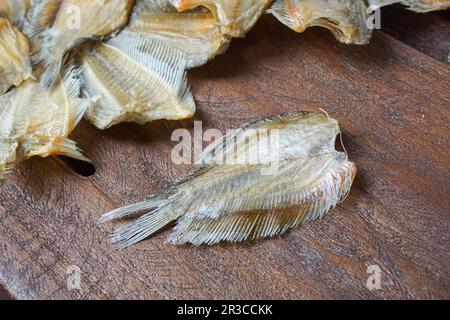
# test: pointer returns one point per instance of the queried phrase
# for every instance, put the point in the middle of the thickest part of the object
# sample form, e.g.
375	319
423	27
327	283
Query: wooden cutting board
392	99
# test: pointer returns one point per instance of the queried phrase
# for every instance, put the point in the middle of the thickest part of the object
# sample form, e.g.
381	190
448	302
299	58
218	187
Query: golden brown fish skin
61	25
36	121
194	31
238	201
346	19
235	17
15	64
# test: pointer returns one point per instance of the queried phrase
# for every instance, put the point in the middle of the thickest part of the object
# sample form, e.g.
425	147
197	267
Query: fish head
302	135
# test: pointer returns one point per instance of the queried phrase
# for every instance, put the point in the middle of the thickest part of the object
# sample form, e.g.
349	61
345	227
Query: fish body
234	17
195	31
346	19
56	26
135	78
36	121
236	201
15	66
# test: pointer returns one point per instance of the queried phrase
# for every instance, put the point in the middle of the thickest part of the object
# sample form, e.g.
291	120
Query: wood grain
392	102
428	33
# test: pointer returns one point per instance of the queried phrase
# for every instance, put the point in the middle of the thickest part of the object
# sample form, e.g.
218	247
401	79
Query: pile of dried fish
114	61
43	128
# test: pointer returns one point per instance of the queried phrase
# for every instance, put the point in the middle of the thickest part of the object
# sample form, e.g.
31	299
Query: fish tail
143	227
164	208
130	209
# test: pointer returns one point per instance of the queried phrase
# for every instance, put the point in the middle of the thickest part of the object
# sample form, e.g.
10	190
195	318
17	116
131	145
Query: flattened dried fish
237	201
136	79
346	19
235	17
15	64
195	32
57	26
416	5
35	121
15	11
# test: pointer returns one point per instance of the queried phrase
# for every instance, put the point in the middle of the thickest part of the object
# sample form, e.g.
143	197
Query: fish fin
131	209
49	70
60	146
72	86
67	147
40	17
6	170
163	209
143	227
8	156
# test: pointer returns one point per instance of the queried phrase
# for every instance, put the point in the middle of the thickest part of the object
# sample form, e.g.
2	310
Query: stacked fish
114	61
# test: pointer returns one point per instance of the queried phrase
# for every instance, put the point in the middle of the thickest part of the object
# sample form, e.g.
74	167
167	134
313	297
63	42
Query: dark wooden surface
392	100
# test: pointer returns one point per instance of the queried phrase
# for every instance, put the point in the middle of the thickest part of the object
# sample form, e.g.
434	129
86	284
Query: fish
346	19
135	78
15	11
234	17
298	176
15	64
195	31
57	26
36	121
415	5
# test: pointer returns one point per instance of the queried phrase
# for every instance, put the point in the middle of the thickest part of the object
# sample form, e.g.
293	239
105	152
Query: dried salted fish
416	5
135	79
195	32
346	19
235	17
298	176
36	121
57	26
15	64
15	11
